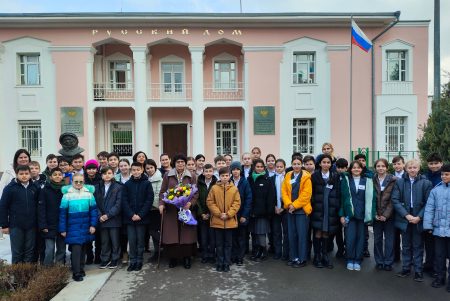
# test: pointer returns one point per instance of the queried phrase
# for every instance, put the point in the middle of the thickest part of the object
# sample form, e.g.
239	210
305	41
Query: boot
326	261
263	254
258	254
317	253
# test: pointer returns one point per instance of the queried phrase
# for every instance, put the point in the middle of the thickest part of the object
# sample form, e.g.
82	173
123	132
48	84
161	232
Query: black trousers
240	237
77	258
430	262
136	239
90	254
442	252
280	234
110	244
224	238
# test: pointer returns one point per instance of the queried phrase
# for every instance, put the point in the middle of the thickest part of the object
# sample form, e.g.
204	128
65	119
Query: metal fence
372	156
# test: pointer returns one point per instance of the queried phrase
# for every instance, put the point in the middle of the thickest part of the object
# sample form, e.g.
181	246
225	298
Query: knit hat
91	164
235	165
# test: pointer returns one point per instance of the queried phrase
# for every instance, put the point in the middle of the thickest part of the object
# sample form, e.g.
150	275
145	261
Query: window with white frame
29	69
122	138
120	75
395	134
224	74
304	68
172	77
397	65
30	136
303	135
227	138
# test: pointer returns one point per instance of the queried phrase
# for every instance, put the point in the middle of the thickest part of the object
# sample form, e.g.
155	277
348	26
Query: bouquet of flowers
179	196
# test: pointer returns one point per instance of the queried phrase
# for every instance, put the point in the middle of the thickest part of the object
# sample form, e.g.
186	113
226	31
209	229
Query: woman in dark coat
179	239
263	207
325	214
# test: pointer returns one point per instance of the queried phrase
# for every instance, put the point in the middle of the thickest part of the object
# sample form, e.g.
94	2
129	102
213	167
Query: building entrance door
174	139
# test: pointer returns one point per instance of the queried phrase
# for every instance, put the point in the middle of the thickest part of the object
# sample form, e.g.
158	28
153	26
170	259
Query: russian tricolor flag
359	38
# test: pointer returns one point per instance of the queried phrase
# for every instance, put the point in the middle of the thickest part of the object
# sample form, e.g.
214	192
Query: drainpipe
397	16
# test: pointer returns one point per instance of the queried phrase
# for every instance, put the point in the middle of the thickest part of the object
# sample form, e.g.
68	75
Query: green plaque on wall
264	120
72	120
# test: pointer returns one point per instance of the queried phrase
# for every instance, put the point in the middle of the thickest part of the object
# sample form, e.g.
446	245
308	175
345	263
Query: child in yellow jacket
223	202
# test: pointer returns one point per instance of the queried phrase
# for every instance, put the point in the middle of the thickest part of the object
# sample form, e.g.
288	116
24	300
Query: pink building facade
209	83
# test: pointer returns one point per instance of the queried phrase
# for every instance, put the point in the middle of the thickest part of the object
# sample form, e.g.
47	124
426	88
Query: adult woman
179	239
327	149
140	157
21	157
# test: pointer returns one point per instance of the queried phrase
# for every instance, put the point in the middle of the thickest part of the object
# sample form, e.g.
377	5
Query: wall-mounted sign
264	120
72	120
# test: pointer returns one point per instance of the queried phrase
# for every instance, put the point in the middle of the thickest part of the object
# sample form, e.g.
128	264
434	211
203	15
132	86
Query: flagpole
351	83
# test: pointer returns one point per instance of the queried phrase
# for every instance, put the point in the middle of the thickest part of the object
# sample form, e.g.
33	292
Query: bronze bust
69	143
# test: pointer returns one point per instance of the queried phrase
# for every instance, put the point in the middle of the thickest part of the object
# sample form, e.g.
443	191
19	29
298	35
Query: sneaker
290	262
437	283
404	273
388	268
350	266
226	268
240	262
83	273
366	253
204	260
131	267
418	277
299	264
357	267
77	277
137	267
219	268
104	265
113	264
379	267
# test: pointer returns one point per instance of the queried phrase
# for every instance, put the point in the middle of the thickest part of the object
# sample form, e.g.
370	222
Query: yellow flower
184	188
170	197
188	192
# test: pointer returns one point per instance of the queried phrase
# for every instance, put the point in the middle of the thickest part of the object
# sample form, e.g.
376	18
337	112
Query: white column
198	120
90	128
140	98
246	113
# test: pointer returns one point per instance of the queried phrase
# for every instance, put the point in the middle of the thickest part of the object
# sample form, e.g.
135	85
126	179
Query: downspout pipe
392	24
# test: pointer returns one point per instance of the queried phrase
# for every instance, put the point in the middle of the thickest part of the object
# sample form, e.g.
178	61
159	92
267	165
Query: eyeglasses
78	182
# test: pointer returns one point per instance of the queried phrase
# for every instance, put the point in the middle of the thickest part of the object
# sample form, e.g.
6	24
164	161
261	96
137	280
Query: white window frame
30	128
400	60
397	45
112	83
225	58
235	155
393	125
111	123
22	60
310	145
297	62
172	59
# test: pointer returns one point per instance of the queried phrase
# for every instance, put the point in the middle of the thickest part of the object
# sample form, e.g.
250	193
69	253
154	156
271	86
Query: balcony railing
223	91
171	92
113	91
397	87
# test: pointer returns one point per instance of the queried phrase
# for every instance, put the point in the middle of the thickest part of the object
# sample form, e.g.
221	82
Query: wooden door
174	137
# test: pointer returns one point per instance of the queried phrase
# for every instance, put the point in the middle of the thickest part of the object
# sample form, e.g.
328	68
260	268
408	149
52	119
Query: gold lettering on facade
169	31
154	31
108	32
139	31
220	32
94	32
206	32
185	31
124	31
236	32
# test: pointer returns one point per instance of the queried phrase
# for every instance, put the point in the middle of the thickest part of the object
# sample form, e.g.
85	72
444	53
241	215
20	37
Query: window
225	75
303	135
172	77
29	69
395	133
304	68
30	136
120	75
122	138
396	65
227	138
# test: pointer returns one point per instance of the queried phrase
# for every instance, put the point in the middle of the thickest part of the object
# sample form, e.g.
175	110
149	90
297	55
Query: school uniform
240	234
280	221
207	238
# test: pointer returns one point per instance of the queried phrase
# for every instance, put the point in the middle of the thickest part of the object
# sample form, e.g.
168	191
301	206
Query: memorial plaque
72	120
264	120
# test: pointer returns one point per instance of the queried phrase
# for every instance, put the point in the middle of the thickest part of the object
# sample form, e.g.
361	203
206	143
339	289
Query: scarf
57	186
256	175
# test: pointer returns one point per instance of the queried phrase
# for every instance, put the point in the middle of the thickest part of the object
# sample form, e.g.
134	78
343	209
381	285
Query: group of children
308	205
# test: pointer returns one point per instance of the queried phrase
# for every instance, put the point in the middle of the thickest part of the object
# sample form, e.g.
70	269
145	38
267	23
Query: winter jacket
203	191
319	188
109	204
401	198
347	209
305	192
18	206
137	199
223	198
41	181
95	181
434	177
245	193
437	211
77	213
384	205
48	210
8	176
263	194
156	181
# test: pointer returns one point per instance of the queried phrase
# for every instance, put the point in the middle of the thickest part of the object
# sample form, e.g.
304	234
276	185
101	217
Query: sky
410	10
